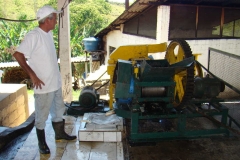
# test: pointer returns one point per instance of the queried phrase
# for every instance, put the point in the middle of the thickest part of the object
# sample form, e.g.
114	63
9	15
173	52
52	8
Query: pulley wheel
177	51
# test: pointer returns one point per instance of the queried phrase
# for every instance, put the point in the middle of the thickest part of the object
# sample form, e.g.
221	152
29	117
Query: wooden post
65	52
126	4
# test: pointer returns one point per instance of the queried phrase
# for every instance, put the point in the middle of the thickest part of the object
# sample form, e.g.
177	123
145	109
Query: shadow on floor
11	136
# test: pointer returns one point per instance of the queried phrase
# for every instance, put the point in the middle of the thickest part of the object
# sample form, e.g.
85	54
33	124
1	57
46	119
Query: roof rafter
198	1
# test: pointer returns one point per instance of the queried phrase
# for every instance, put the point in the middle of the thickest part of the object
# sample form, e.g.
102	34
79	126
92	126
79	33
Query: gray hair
50	16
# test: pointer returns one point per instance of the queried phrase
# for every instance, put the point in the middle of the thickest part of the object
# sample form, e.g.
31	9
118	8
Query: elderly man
38	47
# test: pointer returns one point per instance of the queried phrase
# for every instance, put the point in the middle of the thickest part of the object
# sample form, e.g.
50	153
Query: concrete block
12	107
91	131
12	96
120	154
4	112
19	120
110	137
3	103
14	115
5	121
22	118
119	137
22	90
90	136
13	104
25	94
21	109
20	100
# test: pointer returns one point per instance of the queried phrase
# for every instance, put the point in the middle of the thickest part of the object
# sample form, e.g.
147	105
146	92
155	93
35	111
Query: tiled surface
69	150
93	151
104	130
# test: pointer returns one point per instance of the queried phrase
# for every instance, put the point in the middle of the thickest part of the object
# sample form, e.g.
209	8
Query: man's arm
22	62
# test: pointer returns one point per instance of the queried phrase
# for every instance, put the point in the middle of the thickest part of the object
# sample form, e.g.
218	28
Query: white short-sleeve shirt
38	47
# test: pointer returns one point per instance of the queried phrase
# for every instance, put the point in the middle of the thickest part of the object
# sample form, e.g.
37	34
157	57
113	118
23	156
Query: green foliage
11	34
75	95
87	17
79	69
76	41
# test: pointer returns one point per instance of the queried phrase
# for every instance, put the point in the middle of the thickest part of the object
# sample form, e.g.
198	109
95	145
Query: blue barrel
84	75
91	43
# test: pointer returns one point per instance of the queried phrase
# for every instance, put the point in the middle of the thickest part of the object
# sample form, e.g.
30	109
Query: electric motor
207	87
88	97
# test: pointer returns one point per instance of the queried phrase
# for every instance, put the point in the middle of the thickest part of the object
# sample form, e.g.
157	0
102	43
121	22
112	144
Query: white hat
45	11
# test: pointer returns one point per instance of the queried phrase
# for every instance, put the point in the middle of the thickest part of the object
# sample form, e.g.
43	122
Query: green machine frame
181	132
129	101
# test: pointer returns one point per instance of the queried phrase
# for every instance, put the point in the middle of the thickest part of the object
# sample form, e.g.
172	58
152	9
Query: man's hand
37	83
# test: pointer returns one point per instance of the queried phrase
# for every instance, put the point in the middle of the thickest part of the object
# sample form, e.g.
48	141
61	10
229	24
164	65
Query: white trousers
49	102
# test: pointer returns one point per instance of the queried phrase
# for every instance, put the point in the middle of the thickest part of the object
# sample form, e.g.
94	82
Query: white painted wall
201	46
117	38
163	19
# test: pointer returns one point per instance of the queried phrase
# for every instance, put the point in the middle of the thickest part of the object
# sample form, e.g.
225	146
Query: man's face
52	22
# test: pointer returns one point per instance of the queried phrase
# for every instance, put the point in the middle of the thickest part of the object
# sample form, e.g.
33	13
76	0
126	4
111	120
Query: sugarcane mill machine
170	91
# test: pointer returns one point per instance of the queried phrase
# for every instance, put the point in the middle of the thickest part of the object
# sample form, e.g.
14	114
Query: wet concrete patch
216	148
11	133
11	149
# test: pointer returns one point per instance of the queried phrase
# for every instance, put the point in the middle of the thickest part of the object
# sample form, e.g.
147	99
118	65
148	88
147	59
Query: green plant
11	34
75	95
87	18
30	92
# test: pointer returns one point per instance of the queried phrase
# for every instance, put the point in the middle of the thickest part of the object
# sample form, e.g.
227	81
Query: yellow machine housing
132	53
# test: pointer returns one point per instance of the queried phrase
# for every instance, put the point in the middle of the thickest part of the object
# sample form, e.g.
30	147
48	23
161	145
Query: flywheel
177	51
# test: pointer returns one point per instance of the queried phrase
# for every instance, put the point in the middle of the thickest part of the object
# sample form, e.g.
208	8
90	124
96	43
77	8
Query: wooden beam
144	3
126	4
158	2
133	12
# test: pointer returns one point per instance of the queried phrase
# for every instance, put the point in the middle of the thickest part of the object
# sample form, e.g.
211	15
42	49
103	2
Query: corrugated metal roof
136	8
9	65
140	6
15	64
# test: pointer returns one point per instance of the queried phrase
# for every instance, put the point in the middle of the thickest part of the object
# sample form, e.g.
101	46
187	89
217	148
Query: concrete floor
213	148
216	148
69	150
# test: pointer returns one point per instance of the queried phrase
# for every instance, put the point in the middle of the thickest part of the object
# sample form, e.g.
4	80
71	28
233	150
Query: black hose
102	85
83	108
98	78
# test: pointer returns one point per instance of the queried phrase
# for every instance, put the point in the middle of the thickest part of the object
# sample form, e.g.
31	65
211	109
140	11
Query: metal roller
153	91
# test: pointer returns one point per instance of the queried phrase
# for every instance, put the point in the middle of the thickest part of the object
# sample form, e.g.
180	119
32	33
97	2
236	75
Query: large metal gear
177	51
